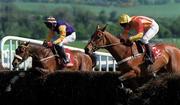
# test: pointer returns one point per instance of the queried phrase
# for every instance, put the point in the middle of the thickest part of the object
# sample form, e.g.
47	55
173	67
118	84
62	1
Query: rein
109	45
129	58
43	59
103	46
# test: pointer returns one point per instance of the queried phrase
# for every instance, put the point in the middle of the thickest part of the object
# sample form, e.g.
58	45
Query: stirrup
149	60
66	61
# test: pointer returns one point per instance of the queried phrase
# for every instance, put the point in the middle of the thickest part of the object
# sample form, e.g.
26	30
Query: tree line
30	24
103	2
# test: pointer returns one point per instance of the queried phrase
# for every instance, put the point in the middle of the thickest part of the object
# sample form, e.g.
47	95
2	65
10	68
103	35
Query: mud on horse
132	65
44	58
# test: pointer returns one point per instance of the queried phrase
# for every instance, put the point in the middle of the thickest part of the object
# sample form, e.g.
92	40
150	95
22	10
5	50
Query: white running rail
9	43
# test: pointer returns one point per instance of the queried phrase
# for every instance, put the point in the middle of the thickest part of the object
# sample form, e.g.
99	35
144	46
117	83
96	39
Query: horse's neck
118	51
39	52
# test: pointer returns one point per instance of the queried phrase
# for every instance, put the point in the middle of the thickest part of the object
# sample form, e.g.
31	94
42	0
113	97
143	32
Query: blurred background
25	17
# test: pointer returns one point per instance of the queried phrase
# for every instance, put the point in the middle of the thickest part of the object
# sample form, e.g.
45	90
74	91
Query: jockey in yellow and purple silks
66	34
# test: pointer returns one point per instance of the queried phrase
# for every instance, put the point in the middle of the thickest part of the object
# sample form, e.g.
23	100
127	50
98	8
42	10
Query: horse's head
21	54
97	40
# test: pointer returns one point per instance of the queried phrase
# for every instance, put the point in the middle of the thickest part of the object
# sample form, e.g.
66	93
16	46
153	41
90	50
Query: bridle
42	59
95	47
18	56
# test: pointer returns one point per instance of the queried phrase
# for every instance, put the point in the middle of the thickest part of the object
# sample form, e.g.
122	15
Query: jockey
66	34
146	28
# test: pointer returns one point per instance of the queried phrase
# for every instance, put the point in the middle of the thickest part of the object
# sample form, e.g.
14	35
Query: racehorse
130	64
44	58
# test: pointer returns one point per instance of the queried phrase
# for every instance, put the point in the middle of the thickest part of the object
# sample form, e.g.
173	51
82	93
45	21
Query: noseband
17	56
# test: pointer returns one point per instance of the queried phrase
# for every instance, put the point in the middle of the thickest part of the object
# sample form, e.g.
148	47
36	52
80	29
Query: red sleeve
139	26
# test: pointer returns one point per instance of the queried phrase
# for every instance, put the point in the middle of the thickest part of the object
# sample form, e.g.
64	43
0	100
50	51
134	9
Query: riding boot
149	56
62	54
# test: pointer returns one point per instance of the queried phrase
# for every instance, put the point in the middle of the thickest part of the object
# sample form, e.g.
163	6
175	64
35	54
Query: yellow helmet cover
124	18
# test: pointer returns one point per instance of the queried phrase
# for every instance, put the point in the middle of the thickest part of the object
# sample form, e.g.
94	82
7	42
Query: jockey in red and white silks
146	28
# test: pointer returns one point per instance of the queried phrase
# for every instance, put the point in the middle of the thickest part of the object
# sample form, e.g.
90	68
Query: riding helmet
124	19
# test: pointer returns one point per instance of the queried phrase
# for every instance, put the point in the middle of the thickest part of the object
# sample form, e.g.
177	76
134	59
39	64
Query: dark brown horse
132	64
44	58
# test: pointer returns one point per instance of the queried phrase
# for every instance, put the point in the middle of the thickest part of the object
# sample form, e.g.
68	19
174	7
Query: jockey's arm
50	35
136	37
125	33
62	31
140	31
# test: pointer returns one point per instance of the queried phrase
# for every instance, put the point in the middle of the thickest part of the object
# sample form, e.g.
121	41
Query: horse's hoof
121	78
8	88
154	75
128	91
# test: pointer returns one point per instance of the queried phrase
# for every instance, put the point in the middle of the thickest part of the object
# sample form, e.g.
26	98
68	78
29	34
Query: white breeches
68	39
150	33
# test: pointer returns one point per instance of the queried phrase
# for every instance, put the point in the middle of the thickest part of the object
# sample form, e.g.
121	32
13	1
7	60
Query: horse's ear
20	42
104	28
97	27
27	43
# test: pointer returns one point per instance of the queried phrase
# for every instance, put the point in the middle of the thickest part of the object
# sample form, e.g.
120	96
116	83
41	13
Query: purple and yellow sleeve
62	31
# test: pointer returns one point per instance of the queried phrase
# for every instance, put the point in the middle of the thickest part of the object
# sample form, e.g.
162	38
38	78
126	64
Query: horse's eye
19	50
98	37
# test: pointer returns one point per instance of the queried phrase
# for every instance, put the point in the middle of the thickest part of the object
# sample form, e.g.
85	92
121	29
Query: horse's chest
124	67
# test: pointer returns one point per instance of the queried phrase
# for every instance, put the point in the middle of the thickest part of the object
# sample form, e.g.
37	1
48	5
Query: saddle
58	56
68	54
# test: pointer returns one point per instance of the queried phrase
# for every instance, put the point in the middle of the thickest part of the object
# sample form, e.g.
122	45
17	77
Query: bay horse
133	65
44	58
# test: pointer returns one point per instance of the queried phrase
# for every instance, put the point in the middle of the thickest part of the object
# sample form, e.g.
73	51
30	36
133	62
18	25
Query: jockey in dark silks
66	34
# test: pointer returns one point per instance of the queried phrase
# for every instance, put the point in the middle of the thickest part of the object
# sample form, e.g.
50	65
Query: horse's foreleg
129	75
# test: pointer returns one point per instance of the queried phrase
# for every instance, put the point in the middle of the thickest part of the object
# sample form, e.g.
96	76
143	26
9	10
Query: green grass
168	10
78	44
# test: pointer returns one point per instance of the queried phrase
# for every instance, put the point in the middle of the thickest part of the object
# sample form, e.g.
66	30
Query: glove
50	44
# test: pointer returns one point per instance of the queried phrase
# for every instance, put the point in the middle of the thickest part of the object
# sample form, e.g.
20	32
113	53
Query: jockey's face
50	25
124	25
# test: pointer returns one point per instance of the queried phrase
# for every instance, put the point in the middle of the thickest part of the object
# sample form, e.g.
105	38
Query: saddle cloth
70	55
138	47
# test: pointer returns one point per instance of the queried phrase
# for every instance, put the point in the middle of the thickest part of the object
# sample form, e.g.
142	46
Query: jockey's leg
66	40
61	53
149	56
147	36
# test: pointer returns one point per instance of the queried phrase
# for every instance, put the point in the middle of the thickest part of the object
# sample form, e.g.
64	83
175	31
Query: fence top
7	52
6	38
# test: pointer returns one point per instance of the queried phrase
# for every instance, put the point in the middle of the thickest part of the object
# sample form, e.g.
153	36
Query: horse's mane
38	47
112	36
